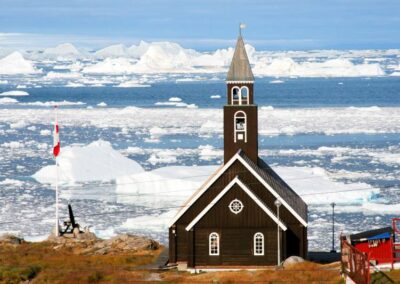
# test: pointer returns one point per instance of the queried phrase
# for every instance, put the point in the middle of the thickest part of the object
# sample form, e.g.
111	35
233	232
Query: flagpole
55	157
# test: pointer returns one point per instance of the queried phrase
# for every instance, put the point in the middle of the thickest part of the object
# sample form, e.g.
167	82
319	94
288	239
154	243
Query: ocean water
347	126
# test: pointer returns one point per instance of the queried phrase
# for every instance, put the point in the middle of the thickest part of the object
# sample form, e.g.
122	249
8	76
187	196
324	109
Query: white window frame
248	95
239	99
209	243
255	238
241	206
245	125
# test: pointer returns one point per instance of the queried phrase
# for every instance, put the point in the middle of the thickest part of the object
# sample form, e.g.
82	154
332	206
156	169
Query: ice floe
15	93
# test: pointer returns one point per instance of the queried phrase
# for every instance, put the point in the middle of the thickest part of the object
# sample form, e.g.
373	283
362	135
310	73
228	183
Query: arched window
240	127
258	244
235	95
214	244
244	95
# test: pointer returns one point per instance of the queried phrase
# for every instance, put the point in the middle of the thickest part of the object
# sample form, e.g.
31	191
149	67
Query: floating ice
7	101
15	63
97	161
62	52
102	104
14	94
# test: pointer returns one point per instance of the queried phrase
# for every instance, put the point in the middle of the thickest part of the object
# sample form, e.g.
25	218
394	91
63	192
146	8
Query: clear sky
203	25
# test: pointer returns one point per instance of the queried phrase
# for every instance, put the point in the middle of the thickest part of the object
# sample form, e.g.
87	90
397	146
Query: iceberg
15	63
97	161
62	52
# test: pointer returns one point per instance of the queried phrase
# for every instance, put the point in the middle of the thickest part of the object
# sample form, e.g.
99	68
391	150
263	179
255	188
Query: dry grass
43	264
40	263
306	272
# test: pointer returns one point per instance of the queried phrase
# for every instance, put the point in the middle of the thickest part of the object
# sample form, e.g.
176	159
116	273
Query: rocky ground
84	258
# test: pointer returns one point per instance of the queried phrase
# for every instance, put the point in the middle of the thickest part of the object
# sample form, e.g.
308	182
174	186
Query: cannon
71	227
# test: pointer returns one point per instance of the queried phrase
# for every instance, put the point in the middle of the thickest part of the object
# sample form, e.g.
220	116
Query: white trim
209	244
262	245
235	131
237	181
248	95
239	82
217	175
238	100
284	203
240	209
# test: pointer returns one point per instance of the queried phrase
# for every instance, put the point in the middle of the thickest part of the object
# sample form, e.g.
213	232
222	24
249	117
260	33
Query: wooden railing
355	264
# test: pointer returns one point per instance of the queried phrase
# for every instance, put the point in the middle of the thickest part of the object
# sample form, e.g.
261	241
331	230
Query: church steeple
240	69
240	112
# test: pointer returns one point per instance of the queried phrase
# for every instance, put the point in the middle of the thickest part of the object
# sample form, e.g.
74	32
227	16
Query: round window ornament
236	206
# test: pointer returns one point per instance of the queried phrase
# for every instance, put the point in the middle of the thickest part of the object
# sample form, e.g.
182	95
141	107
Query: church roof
240	69
266	176
279	185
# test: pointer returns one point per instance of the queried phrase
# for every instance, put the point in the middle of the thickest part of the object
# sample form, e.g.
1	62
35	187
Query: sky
202	24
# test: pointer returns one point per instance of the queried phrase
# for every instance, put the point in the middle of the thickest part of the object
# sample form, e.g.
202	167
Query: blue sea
368	154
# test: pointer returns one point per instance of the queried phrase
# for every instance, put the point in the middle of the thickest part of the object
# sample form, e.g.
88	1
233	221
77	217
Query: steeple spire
240	69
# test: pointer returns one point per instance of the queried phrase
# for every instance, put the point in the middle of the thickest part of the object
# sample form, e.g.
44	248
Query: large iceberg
15	63
97	161
65	51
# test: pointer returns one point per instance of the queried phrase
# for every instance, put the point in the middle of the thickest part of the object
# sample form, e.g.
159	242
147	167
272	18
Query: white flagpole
57	219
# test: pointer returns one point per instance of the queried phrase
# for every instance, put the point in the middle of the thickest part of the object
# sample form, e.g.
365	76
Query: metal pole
57	223
333	227
278	204
279	241
57	231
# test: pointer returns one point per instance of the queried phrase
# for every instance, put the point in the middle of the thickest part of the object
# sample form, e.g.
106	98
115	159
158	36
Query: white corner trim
203	189
237	181
260	179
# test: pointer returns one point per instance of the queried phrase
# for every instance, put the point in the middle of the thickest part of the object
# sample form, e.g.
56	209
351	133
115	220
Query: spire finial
241	26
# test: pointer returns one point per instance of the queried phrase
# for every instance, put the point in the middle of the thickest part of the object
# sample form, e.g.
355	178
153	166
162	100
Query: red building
377	244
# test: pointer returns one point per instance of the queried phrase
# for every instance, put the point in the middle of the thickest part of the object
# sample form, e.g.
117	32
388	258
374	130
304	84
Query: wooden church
244	215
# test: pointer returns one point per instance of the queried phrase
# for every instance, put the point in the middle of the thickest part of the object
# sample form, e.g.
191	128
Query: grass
40	263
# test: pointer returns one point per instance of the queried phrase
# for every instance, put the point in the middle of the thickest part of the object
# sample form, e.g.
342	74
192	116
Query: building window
214	244
258	244
240	129
235	95
244	95
236	206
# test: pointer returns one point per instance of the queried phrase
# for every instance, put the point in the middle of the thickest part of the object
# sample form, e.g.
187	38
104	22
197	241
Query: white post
57	222
57	229
278	204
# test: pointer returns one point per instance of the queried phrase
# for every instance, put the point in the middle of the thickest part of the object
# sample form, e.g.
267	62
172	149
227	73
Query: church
244	215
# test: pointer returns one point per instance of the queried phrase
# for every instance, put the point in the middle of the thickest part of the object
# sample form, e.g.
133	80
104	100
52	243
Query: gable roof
381	233
259	202
240	69
279	185
268	178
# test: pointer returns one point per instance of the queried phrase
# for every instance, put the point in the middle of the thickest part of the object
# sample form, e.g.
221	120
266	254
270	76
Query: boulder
292	260
11	239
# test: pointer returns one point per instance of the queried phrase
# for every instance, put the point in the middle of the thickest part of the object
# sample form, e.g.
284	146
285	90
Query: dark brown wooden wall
220	213
251	146
236	247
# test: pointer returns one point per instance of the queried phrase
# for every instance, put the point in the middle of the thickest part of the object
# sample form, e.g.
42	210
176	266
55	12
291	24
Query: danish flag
56	138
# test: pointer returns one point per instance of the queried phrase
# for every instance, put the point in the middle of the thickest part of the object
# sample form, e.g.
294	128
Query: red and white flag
56	138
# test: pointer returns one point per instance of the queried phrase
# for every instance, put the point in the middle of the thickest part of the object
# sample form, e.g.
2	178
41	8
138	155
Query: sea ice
14	94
